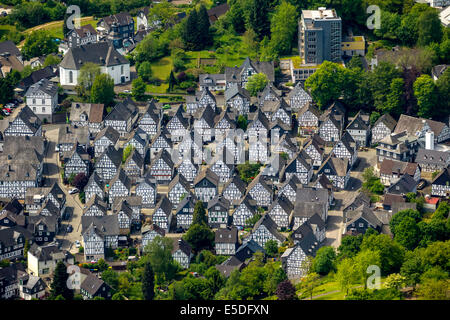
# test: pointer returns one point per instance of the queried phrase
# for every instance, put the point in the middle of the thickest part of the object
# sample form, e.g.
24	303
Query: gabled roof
284	203
97	201
357	123
94	111
348	142
179	179
189	200
114	155
234	90
404	185
122	111
122	177
308	242
100	53
227	235
413	125
259	66
9	47
387	120
339	166
110	133
258	115
356	201
309	106
153	227
433	157
298	89
208	174
247	249
30	119
443	178
218	201
94	178
390	166
270	225
365	213
104	226
165	204
224	115
180	244
165	156
240	185
136	157
269	89
259	179
92	284
71	134
119	19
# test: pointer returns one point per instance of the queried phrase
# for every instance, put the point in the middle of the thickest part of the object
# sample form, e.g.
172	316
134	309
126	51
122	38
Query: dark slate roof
258	115
30	119
404	185
309	243
94	178
48	252
284	203
259	179
165	156
226	235
120	19
8	237
389	167
298	89
217	11
294	182
9	47
316	219
50	221
122	205
387	120
153	227
400	206
308	194
365	213
94	111
110	133
213	77
270	225
237	182
122	177
182	180
71	134
247	249
92	284
432	157
182	245
356	201
113	154
324	182
122	112
43	85
357	123
390	199
309	106
35	76
104	226
269	89
443	178
100	53
165	205
208	174
260	66
189	200
338	166
234	90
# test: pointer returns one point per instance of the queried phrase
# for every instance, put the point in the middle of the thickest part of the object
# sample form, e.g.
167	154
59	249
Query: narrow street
73	204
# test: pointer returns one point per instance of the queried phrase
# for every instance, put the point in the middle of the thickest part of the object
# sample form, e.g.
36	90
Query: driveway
335	223
73	205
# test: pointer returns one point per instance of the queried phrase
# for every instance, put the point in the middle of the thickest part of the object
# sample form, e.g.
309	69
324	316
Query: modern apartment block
320	36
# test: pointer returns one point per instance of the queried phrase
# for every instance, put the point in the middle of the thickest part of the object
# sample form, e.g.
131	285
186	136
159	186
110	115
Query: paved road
335	225
73	204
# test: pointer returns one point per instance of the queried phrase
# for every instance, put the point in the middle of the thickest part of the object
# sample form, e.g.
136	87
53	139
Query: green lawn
55	28
157	89
6	29
161	68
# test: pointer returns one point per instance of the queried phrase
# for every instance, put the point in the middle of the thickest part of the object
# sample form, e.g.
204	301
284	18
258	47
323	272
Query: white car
77	244
73	191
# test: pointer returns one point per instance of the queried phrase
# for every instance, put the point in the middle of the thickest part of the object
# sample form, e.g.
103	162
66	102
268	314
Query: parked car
5	112
77	244
73	191
69	228
422	184
7	109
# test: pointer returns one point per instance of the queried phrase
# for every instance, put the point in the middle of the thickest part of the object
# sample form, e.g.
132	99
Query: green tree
59	283
51	60
138	89
391	253
127	152
242	122
256	83
363	260
346	274
215	279
191	33
258	17
407	233
248	171
426	94
432	289
145	71
38	43
205	37
172	81
103	90
148	279
199	236
159	254
395	100
443	88
199	215
429	26
286	291
324	261
379	82
283	27
327	83
111	278
395	281
271	248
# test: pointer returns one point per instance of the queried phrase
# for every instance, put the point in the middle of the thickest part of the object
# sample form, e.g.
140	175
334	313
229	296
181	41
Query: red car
7	109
